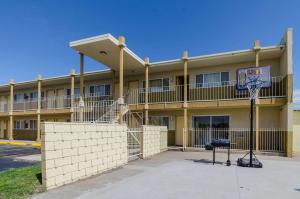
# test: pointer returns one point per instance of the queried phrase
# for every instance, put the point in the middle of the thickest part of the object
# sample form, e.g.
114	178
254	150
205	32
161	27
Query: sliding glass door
208	128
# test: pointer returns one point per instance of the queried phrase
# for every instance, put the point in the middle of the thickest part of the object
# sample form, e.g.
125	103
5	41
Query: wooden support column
185	105
81	101
121	78
11	109
256	50
38	112
72	89
146	108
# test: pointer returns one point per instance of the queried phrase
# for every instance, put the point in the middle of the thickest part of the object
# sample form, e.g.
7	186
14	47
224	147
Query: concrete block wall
151	143
163	139
74	151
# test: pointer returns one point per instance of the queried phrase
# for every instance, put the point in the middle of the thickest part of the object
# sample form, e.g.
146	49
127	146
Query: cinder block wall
163	139
155	140
74	151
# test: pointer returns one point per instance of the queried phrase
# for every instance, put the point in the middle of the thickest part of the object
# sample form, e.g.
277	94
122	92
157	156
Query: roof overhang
241	56
105	49
59	80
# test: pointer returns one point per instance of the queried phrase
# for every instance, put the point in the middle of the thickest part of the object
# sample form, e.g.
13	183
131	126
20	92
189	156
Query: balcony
203	92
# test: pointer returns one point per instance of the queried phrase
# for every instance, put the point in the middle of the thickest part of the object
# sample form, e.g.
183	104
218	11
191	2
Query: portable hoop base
251	162
243	162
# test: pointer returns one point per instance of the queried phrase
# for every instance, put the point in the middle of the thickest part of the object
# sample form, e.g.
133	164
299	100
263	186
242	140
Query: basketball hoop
252	79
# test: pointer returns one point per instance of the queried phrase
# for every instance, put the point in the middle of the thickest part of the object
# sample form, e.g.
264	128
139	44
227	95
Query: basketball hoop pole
251	132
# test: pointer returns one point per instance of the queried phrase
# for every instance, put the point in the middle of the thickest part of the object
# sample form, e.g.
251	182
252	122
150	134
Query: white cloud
297	98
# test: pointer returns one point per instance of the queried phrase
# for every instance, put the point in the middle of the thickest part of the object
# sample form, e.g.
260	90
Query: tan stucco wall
239	117
74	151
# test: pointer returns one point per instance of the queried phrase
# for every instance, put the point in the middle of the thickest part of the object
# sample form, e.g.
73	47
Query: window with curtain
212	79
76	92
100	90
158	85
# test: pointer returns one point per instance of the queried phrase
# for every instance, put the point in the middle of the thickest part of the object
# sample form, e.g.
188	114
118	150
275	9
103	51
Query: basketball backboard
253	75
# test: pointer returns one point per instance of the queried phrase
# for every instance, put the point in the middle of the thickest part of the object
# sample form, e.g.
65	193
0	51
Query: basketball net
254	84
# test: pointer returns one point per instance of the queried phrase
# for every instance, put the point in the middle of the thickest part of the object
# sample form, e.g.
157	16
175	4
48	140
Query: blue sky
34	35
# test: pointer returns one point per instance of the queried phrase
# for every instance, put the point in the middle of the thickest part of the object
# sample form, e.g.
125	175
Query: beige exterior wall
296	132
74	151
239	117
231	68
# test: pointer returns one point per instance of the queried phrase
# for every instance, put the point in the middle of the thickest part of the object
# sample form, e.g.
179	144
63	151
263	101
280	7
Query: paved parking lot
18	156
189	175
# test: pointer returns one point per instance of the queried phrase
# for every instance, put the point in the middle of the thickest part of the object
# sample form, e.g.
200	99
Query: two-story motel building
191	95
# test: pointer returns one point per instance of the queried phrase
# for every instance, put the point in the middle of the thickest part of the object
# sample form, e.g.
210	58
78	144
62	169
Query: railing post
185	105
38	128
121	78
81	102
146	90
72	88
11	109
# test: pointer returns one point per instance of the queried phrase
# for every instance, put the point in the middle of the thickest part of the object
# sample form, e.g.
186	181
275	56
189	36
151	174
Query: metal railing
25	105
3	107
134	141
270	139
204	92
94	111
56	102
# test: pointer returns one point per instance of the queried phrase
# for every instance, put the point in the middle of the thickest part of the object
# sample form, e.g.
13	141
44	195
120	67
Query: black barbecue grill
219	143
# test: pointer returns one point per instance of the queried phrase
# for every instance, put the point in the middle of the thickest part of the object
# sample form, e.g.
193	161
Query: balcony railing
56	102
3	107
270	139
203	92
25	105
49	103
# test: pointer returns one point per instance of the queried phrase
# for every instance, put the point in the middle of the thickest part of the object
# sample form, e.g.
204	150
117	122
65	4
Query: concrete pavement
189	175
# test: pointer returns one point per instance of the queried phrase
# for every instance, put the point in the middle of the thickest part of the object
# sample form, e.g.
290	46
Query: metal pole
251	132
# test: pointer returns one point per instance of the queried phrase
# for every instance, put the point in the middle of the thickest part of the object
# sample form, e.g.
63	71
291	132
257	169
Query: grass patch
20	183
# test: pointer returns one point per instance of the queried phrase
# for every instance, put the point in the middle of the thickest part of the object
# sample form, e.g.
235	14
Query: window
211	121
26	124
32	124
18	97
33	96
17	124
100	90
212	79
76	92
159	121
158	85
